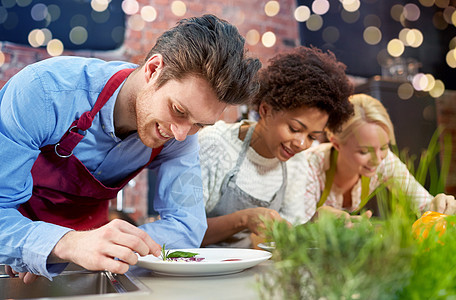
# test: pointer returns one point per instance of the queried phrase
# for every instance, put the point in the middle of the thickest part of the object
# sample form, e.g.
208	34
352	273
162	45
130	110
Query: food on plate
179	256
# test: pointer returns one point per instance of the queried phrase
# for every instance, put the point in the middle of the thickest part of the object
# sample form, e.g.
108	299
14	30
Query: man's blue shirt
37	106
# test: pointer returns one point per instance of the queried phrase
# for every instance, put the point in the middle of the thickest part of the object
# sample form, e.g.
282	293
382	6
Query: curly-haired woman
245	165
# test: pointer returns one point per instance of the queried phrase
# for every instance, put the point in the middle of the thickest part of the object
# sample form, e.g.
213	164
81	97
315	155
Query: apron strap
76	132
329	177
365	181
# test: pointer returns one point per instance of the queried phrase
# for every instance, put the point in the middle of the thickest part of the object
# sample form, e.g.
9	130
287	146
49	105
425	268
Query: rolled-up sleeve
24	245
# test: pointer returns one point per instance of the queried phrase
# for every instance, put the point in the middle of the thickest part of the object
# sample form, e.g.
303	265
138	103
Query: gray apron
233	198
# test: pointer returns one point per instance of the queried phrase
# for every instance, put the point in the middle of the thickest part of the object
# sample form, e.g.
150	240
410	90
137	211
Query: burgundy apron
64	191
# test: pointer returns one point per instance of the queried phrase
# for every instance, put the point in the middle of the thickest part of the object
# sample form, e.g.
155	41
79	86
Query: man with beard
74	131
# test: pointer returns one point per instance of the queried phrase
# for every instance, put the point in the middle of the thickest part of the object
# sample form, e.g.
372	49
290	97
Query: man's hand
444	204
97	249
27	277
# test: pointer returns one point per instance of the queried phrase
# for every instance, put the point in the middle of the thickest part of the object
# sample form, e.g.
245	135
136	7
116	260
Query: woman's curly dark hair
306	76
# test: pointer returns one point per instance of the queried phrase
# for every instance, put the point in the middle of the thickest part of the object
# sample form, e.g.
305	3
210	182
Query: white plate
217	261
267	246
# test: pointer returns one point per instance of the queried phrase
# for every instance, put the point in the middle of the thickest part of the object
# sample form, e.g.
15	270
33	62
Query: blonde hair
367	110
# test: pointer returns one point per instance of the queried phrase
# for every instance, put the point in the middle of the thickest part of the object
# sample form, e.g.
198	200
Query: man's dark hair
306	76
212	49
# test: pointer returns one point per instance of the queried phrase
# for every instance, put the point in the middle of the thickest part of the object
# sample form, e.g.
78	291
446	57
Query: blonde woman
341	174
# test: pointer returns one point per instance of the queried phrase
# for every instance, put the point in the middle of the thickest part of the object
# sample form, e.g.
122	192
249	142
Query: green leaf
181	254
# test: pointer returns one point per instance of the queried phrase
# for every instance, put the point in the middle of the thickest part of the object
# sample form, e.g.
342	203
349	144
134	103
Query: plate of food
203	261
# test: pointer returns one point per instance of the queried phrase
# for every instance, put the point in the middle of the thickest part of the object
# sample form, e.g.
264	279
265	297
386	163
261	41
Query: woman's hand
444	204
342	214
254	218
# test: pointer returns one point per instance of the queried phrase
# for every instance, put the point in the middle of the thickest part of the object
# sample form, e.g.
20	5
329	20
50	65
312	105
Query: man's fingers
133	243
115	266
10	271
125	254
151	247
29	277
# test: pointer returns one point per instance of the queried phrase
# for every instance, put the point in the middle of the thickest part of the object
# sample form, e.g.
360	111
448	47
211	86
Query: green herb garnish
176	254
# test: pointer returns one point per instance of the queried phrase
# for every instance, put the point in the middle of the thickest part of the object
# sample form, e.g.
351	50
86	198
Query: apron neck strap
329	177
365	181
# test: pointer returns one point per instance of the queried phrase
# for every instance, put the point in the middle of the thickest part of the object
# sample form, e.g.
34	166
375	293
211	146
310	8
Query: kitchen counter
242	285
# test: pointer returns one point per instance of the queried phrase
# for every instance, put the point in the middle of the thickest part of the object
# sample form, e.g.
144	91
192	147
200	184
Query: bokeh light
39	12
427	3
453	18
130	7
405	91
414	38
442	3
396	12
452	43
395	47
117	34
430	82
36	38
411	12
419	81
78	35
39	37
178	8
331	34
148	13
448	13
314	23
272	8
99	5
439	21
438	89
268	39
320	7
403	35
79	20
351	5
302	13
55	47
372	35
451	58
252	37
136	22
23	3
350	17
53	12
8	3
372	20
